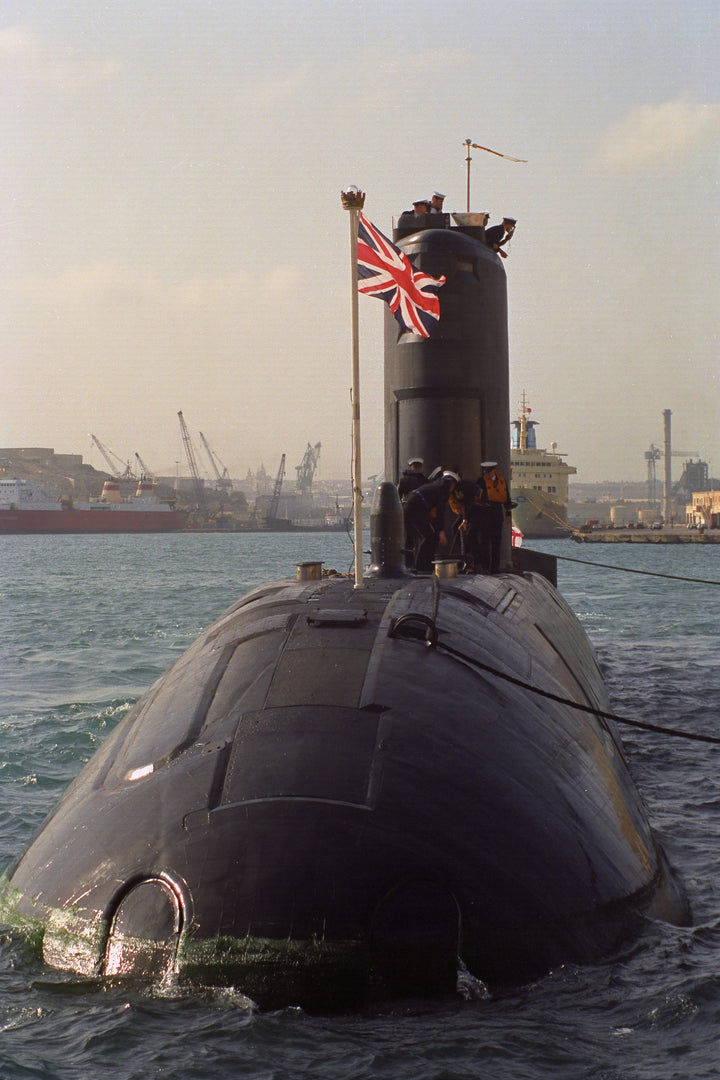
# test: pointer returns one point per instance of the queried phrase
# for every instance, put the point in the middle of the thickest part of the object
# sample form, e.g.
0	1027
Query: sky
172	236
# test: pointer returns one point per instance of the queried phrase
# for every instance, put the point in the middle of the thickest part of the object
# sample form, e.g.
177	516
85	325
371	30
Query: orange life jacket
496	487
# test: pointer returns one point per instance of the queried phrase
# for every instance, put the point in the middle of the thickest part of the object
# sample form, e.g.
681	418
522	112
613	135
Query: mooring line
477	665
632	570
675	732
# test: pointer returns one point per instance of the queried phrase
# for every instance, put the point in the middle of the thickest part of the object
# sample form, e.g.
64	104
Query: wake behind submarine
332	797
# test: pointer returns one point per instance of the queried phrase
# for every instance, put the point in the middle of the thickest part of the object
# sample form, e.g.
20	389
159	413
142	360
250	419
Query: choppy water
89	622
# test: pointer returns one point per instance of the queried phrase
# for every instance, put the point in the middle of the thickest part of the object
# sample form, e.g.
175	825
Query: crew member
436	203
420	208
497	236
425	518
469	502
412	477
499	509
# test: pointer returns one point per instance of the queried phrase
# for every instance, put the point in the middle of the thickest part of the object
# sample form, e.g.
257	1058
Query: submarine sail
332	795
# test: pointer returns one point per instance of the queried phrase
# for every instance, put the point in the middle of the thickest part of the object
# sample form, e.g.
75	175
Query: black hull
316	805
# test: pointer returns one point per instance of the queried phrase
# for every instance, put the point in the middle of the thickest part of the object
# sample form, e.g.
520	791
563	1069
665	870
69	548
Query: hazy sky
171	233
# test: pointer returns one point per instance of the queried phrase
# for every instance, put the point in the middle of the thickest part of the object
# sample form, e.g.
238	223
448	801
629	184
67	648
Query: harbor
409	782
73	1028
550	507
42	491
647	536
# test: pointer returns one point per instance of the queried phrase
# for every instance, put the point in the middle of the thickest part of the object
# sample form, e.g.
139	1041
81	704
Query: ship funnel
111	492
387	532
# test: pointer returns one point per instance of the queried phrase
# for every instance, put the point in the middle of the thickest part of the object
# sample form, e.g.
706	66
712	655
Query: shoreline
648	536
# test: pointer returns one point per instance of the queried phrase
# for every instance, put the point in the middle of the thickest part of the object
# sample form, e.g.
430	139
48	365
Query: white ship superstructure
539	481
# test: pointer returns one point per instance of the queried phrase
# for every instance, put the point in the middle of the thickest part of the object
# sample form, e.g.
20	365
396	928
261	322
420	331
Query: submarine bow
337	792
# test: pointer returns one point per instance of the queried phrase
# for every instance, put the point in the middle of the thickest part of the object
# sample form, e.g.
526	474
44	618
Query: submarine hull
329	798
340	793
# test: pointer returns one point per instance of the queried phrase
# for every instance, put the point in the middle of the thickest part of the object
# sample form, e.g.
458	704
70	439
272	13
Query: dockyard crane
306	469
124	472
224	483
275	501
198	486
652	456
144	471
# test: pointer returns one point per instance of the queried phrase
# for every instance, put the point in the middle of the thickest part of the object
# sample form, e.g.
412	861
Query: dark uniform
410	479
421	207
500	508
498	235
425	518
471	507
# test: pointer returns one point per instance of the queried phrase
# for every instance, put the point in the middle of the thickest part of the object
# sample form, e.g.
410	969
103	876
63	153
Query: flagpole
353	200
468	144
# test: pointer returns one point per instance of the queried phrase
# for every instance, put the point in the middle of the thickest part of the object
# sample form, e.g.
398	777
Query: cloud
208	291
383	75
658	136
28	61
17	42
267	91
108	282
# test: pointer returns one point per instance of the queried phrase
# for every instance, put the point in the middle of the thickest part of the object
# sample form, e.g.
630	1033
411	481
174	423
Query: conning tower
446	397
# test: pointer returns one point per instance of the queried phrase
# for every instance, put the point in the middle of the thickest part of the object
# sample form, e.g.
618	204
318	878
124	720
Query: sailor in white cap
420	208
436	202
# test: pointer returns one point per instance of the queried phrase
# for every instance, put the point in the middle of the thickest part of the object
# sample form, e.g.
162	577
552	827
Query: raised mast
523	423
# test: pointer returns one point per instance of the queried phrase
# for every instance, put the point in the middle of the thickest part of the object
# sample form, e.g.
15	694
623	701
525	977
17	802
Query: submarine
342	794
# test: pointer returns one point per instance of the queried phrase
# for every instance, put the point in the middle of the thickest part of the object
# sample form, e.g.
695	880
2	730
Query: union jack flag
386	272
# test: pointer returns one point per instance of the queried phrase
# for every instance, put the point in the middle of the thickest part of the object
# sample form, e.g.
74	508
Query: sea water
89	622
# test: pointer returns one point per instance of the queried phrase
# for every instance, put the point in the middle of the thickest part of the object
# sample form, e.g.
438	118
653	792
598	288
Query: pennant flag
386	272
476	146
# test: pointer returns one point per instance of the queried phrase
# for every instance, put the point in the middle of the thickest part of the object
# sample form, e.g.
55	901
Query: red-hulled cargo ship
24	509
